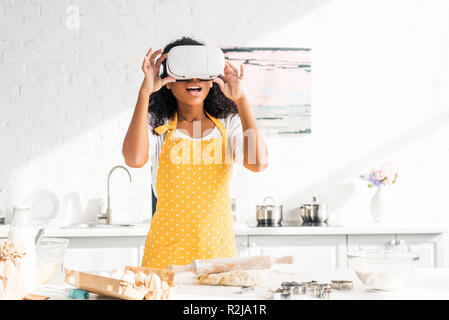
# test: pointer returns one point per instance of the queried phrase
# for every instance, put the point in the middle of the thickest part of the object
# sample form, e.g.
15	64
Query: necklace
204	117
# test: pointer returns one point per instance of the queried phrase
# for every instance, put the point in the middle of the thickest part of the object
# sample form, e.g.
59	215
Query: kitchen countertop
345	228
424	283
242	228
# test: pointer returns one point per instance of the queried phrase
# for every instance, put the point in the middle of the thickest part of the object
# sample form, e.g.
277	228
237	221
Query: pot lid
315	201
268	202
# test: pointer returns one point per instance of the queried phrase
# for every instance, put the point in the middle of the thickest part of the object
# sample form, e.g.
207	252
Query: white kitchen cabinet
105	249
107	253
241	243
102	253
100	258
309	252
356	242
429	248
141	251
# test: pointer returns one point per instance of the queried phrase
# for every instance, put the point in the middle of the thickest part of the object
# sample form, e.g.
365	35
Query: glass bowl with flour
380	269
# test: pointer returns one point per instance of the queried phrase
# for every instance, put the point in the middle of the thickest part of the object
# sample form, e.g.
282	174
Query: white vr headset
195	61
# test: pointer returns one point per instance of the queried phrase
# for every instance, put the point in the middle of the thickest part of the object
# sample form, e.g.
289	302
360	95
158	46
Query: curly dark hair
163	103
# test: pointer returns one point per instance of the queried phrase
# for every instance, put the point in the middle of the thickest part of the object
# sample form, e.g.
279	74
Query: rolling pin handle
284	260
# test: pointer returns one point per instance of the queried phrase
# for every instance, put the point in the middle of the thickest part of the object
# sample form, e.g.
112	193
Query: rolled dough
233	278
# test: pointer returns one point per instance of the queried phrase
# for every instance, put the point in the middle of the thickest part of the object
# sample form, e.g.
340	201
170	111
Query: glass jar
21	233
21	216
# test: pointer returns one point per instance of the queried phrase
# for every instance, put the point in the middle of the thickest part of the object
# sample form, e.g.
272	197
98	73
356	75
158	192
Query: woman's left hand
231	87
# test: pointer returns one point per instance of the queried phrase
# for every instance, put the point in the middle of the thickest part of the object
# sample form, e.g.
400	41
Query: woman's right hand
153	81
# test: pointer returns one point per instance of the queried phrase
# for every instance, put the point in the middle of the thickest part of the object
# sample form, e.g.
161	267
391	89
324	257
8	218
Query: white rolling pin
208	266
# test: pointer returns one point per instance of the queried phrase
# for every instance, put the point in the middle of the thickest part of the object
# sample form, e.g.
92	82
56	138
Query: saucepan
269	213
314	212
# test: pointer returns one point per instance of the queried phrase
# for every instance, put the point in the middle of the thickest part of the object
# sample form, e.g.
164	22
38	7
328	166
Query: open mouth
194	90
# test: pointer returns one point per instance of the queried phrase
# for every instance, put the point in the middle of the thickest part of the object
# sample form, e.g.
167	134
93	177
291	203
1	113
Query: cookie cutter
247	289
325	293
342	284
274	294
295	288
321	290
278	294
315	288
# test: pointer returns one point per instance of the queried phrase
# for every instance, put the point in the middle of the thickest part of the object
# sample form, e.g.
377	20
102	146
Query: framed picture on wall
278	85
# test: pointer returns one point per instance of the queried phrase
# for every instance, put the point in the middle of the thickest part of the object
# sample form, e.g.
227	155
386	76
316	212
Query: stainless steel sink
125	224
98	225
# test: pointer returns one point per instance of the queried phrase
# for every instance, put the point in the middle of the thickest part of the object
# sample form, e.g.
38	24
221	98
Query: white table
431	283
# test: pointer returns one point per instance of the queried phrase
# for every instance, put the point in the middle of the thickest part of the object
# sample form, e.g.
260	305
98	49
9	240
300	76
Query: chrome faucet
106	217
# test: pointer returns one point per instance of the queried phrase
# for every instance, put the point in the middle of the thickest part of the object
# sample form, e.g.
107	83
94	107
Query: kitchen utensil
274	294
299	289
325	293
208	266
380	269
2	207
310	283
318	288
288	285
247	289
325	285
49	258
315	287
314	212
39	236
294	287
342	284
269	213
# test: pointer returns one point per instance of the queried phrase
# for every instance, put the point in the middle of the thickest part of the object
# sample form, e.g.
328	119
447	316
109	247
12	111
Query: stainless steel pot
314	212
268	213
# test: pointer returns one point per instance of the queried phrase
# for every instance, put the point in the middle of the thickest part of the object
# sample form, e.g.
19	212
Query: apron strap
170	126
172	123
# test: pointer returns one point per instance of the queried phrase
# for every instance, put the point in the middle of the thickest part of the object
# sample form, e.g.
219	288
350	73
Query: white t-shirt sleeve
235	136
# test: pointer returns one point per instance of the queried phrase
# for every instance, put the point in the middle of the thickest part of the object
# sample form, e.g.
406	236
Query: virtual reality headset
195	61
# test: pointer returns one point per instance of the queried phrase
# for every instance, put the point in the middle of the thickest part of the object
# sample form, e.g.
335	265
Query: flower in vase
385	174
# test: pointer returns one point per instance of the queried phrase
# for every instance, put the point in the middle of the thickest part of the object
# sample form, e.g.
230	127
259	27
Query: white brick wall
380	91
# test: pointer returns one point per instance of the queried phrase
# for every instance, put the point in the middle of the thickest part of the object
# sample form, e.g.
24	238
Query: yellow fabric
170	126
193	218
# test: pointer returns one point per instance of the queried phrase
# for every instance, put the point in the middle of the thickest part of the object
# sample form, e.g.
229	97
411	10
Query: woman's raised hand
150	68
231	87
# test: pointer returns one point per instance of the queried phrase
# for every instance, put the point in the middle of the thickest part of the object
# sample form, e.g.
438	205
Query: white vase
381	205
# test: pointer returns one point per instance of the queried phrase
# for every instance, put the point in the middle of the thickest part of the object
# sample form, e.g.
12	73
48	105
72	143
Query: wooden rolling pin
208	266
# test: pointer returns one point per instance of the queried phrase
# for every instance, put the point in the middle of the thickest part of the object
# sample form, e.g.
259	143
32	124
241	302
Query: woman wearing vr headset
192	130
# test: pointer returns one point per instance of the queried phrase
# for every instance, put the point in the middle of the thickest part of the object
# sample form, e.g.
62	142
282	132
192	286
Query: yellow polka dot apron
193	218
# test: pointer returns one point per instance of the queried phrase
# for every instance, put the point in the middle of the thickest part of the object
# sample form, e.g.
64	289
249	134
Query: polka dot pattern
193	218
